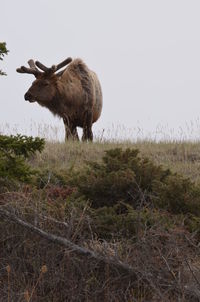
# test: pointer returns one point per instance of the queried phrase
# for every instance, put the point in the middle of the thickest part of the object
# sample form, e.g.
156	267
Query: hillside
103	222
181	157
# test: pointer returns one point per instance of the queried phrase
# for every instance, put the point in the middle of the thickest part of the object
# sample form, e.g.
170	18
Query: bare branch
65	224
126	268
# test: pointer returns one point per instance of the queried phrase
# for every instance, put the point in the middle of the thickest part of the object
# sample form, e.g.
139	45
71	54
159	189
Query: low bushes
123	176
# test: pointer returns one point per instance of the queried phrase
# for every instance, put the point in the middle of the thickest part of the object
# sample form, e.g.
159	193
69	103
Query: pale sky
145	52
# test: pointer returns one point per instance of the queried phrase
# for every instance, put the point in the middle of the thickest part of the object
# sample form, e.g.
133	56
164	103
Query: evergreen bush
14	151
124	176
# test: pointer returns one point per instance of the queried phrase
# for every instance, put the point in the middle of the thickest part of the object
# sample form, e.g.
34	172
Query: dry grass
180	157
178	150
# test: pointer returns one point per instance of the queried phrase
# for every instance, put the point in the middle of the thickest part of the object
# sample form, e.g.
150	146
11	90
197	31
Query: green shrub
112	223
177	194
14	150
123	176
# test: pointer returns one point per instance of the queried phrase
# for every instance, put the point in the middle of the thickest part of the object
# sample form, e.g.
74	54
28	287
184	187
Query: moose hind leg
87	127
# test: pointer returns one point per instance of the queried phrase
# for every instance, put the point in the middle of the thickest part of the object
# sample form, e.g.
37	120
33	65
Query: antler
42	67
64	63
32	70
31	63
53	68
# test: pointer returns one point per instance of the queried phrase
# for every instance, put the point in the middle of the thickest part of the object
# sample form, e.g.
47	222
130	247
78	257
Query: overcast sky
145	52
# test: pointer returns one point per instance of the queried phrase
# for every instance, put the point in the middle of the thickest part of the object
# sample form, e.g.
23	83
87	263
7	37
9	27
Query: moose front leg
87	126
70	130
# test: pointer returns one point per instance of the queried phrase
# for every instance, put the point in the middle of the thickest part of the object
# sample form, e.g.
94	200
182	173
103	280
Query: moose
73	93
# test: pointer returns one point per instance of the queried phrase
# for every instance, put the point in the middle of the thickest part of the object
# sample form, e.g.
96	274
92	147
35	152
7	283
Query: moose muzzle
28	97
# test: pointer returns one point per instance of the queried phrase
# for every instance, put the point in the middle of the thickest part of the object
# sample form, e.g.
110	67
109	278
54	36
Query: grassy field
115	239
181	157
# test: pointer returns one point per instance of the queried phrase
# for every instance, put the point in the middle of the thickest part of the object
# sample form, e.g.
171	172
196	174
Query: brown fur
73	94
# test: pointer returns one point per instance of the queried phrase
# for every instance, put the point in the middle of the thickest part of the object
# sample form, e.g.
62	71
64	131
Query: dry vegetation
181	157
58	244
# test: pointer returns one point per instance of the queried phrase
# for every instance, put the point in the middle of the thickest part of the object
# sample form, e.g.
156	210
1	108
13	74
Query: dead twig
115	263
192	272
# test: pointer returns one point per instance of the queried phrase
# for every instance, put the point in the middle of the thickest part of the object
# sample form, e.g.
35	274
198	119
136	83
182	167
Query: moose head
43	89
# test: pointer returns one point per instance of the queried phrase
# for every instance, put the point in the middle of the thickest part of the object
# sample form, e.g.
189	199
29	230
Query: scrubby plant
14	151
112	223
177	195
124	176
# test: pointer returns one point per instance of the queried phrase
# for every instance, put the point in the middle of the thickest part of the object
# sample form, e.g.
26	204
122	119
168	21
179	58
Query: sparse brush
126	177
42	272
139	208
8	269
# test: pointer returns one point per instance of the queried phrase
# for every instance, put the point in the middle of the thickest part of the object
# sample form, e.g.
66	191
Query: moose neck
54	105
